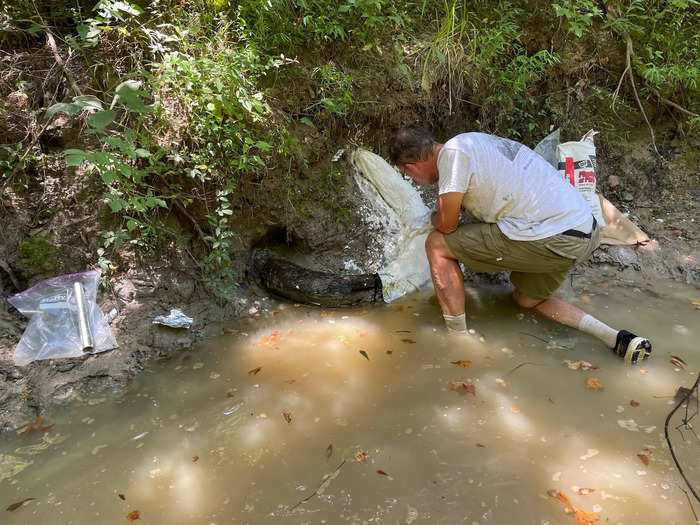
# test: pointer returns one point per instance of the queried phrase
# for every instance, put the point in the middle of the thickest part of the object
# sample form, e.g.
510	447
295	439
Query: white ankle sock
456	323
591	325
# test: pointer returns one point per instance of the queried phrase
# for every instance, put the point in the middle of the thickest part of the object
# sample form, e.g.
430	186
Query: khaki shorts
537	267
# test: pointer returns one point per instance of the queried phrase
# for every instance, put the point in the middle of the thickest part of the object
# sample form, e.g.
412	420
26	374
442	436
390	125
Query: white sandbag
405	220
577	164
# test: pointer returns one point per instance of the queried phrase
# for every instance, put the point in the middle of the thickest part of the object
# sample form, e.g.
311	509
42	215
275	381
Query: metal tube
83	320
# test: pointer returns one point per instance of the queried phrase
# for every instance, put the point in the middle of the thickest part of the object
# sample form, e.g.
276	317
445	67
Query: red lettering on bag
586	176
569	170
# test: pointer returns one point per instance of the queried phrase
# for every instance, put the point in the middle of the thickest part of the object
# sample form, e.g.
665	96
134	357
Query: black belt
576	233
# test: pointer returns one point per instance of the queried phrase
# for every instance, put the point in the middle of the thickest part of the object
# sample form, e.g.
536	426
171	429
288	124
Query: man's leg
448	281
566	313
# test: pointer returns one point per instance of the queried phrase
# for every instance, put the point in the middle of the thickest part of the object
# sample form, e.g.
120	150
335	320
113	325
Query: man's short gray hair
410	143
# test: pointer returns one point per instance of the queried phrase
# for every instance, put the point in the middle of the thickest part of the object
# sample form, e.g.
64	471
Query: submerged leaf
463	364
409	341
361	457
584	517
593	383
17	505
364	354
287	416
254	371
329	450
643	458
195	459
634	403
585	492
463	388
678	362
133	515
122	497
382	473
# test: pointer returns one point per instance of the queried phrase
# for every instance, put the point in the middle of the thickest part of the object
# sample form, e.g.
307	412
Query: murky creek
360	416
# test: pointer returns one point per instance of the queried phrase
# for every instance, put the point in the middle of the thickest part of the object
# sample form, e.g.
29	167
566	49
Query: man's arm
446	218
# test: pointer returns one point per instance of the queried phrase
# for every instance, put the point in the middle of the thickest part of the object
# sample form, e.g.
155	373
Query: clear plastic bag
64	319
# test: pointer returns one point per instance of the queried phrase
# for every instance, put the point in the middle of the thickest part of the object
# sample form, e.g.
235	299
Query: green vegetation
214	110
39	254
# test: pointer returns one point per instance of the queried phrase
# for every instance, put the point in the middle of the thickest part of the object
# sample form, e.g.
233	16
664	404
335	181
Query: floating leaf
122	497
584	517
634	403
195	459
463	388
382	473
364	354
133	515
269	340
501	382
580	365
463	364
361	457
409	341
329	450
287	416
643	458
254	371
17	505
389	352
585	492
593	383
678	362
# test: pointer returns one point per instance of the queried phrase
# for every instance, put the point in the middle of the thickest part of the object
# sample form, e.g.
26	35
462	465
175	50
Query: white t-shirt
507	183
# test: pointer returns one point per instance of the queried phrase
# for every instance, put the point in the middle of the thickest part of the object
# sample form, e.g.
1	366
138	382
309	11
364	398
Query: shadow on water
208	438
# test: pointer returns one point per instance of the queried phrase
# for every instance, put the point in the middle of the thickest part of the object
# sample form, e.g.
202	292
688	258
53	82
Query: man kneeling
533	223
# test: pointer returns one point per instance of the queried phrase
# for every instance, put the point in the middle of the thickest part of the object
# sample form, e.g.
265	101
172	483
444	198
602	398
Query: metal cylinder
83	319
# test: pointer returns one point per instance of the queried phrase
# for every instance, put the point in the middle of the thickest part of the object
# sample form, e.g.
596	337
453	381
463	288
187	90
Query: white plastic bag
577	164
56	312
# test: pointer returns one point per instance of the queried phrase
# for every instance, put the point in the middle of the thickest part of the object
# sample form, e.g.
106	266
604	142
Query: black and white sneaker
632	348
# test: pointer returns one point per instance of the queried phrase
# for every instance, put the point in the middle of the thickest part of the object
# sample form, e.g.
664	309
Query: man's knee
434	243
525	301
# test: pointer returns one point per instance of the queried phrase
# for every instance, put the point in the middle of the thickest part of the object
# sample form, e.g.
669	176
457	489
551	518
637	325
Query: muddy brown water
202	439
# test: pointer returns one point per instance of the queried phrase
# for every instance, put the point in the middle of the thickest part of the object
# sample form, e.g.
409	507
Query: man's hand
446	218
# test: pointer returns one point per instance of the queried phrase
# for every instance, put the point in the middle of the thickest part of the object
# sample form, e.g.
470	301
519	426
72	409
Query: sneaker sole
637	347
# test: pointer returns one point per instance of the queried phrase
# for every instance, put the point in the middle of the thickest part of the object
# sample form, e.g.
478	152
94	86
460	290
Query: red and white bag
577	164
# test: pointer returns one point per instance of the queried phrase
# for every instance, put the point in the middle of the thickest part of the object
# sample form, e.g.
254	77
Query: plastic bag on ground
64	319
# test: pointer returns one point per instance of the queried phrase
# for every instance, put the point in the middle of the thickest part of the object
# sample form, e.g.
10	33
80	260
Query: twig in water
523	364
689	502
324	482
548	342
685	399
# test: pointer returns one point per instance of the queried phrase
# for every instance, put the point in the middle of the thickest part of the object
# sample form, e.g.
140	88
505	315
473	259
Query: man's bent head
409	144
